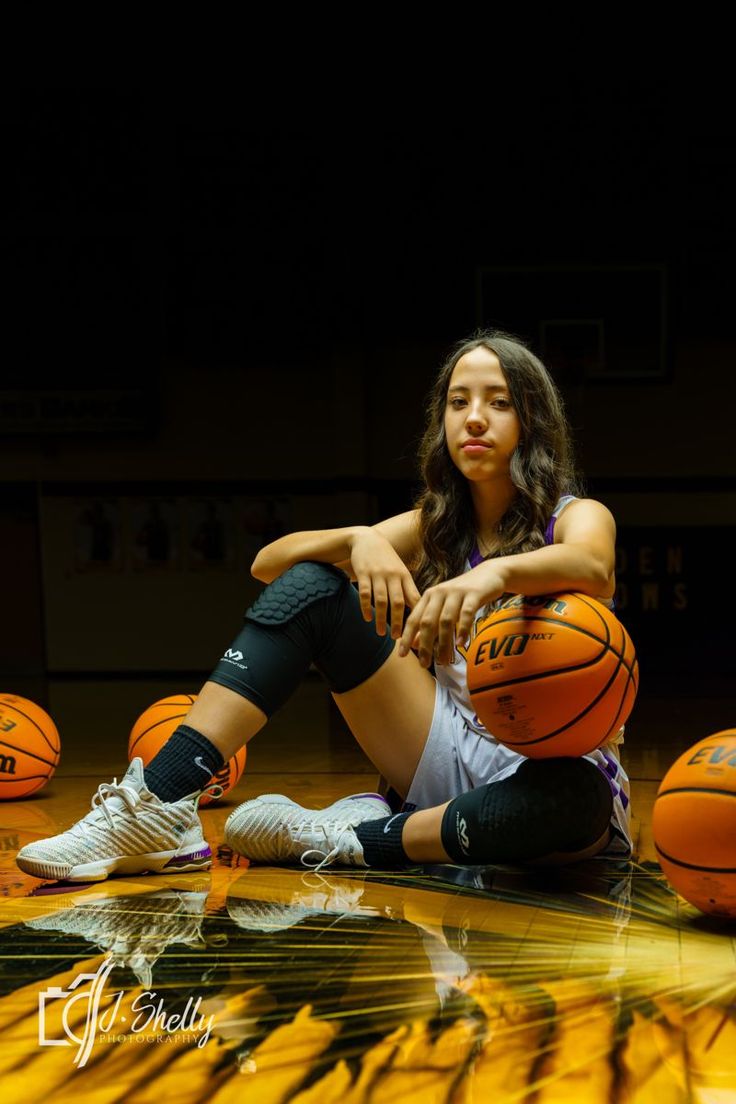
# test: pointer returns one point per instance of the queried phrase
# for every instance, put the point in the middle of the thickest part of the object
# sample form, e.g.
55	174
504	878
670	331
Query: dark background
219	326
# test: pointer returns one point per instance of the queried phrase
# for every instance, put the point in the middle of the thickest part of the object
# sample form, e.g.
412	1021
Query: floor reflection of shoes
270	901
127	831
134	930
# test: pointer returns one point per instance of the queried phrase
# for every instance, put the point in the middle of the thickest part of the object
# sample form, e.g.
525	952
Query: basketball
29	747
553	675
154	726
694	824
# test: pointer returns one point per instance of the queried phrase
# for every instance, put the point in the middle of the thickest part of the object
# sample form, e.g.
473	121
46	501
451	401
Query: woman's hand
446	612
383	580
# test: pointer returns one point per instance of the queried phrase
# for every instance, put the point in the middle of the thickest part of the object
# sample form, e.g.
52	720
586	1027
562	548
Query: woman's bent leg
225	717
390	716
310	614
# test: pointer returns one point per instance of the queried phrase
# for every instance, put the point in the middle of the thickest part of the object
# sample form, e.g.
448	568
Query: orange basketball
29	747
552	675
154	726
694	824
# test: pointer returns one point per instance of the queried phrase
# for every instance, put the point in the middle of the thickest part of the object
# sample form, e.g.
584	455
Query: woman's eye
457	403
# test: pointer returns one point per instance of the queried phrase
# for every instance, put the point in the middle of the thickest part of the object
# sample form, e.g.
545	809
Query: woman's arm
335	546
376	557
582	559
323	545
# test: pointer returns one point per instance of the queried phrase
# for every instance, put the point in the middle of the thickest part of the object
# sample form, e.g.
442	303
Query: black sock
381	842
187	762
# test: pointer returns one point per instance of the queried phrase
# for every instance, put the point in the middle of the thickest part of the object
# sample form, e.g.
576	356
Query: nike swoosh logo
390	822
200	764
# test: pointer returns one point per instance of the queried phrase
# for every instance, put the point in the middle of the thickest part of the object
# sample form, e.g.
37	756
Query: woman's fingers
465	620
378	592
439	619
408	641
420	628
411	593
365	593
428	628
396	597
380	601
448	615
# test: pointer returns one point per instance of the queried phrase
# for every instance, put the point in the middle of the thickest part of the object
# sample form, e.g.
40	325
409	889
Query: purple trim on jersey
611	764
610	772
475	557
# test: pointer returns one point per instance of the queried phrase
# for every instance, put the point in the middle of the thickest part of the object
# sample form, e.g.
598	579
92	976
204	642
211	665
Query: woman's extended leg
549	811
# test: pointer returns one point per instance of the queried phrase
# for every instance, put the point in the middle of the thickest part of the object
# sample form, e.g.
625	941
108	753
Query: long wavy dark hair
542	465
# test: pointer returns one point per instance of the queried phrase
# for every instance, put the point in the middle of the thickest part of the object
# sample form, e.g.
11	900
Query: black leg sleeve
548	805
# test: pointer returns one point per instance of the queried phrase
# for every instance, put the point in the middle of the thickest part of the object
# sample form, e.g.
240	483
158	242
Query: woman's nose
476	416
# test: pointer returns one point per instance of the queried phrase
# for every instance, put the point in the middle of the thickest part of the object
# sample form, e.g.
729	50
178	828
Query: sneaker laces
130	798
325	857
213	790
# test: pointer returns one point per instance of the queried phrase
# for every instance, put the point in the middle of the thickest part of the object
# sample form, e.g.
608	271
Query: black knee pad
296	590
310	614
548	805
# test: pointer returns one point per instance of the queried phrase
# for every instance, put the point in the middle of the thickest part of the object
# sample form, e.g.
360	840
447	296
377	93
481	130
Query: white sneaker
273	828
128	831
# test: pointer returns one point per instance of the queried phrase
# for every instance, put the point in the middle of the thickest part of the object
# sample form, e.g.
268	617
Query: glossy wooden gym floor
595	983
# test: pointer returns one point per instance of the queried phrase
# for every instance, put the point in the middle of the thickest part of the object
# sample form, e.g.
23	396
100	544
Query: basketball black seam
629	680
573	720
550	621
693	866
35	724
606	646
32	754
588	707
562	670
696	789
167	705
23	777
540	675
151	727
597	612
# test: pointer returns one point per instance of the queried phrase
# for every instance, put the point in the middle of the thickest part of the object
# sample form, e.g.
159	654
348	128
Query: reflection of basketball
694	824
154	726
552	675
29	747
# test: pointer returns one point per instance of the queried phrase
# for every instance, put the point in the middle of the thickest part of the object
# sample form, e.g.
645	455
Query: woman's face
481	425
